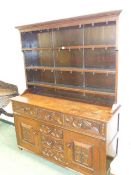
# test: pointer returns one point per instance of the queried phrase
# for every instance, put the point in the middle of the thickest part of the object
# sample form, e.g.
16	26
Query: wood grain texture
69	133
99	113
69	113
106	16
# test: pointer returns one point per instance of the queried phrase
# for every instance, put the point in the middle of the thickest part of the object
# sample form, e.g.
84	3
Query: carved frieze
25	109
52	143
84	125
50	116
52	154
53	131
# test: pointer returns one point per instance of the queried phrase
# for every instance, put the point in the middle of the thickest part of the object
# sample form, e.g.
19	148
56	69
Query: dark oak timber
69	113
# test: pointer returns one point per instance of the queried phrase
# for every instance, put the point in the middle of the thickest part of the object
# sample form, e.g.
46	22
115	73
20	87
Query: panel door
85	154
27	131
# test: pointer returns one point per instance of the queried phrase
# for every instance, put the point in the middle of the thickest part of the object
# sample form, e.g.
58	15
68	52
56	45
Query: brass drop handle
26	109
35	132
67	119
48	117
50	143
50	131
55	158
41	130
78	124
69	145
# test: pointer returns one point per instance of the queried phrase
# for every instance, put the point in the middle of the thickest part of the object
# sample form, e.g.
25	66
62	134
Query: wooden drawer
85	126
50	116
23	108
52	131
51	137
53	155
50	142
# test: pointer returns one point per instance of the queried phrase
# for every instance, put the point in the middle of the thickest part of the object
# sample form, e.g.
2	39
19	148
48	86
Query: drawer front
84	125
25	109
51	154
52	131
52	137
50	142
50	116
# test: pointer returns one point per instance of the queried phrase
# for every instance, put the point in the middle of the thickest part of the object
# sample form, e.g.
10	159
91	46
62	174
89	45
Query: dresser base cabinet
84	153
28	136
79	141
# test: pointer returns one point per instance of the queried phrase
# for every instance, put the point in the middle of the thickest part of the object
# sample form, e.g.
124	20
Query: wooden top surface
90	111
105	16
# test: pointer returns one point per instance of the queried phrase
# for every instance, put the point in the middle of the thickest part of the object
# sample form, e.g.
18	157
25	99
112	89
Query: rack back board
74	58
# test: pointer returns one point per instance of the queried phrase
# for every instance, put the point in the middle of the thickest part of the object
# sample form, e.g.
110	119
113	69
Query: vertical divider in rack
84	85
39	51
54	61
25	70
116	81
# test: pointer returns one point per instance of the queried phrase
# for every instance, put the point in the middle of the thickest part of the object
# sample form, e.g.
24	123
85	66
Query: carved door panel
28	135
83	153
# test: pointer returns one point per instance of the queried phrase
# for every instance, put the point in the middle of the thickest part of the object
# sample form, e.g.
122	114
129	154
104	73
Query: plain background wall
20	12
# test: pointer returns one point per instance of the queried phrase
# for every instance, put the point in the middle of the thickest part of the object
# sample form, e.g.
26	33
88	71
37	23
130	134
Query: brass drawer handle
41	130
69	145
48	117
35	132
78	124
26	109
55	158
50	143
50	131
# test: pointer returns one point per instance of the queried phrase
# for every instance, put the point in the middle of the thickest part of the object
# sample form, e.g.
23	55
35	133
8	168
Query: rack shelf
73	58
72	88
71	69
71	47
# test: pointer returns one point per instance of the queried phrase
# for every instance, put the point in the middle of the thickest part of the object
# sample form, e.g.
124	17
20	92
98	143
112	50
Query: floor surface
14	161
